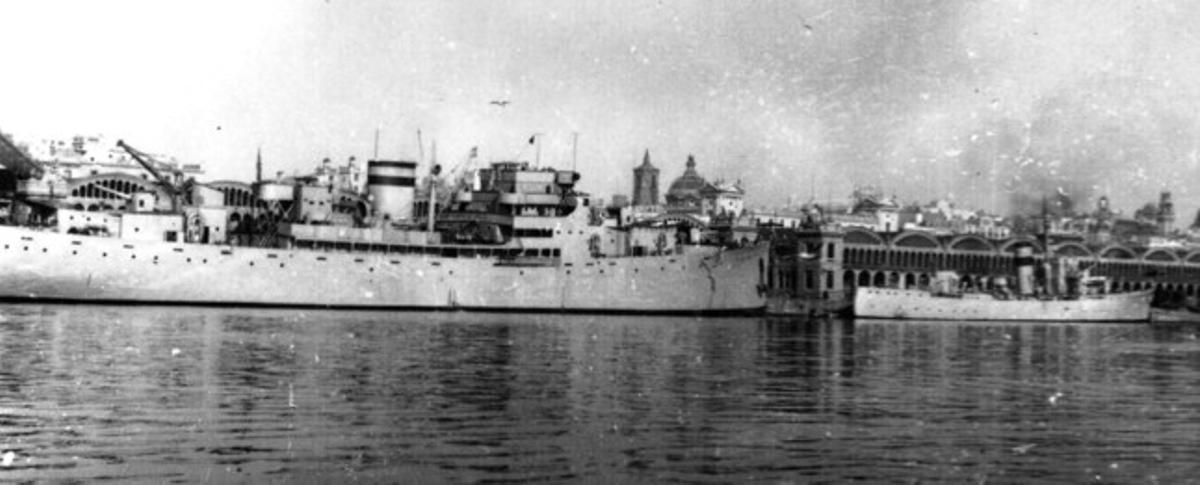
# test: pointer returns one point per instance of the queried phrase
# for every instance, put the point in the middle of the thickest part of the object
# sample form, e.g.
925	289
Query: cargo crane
147	162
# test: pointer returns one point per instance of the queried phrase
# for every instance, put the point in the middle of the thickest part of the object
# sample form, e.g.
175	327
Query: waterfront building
1152	224
349	177
1160	217
89	155
943	218
723	199
868	209
788	217
92	173
805	271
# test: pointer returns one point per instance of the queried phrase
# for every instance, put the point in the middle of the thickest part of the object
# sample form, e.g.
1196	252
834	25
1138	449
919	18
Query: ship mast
433	173
1045	236
420	148
1051	279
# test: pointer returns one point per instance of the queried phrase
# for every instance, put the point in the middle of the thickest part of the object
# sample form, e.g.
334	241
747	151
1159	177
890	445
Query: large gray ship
518	238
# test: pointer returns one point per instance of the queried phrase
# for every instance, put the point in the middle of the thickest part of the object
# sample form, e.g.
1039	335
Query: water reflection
229	395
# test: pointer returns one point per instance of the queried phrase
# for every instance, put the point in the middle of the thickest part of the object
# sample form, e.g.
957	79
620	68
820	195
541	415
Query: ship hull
47	266
894	303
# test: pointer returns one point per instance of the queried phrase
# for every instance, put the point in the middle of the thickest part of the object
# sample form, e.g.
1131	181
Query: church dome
688	185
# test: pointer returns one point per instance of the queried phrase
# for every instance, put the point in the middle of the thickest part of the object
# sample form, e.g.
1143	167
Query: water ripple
184	395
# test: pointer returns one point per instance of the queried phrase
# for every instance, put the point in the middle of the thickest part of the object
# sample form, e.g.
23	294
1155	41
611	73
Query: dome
688	185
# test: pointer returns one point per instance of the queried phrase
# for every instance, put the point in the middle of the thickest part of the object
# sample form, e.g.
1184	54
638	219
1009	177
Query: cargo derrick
147	162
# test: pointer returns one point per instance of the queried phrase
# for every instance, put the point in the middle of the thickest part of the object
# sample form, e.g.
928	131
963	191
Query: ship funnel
390	185
1024	261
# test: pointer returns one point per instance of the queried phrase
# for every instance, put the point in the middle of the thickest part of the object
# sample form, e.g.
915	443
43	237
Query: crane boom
146	162
17	161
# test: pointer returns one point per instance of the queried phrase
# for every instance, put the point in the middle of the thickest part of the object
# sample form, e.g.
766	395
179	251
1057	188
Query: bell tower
645	183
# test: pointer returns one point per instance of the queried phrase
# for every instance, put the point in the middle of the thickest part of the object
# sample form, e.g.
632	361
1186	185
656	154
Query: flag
532	138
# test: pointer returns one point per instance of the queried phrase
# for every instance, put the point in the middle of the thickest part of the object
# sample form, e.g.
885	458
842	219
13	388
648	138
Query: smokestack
258	166
391	186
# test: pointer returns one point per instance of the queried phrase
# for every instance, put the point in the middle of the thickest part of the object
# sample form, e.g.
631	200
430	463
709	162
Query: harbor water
162	394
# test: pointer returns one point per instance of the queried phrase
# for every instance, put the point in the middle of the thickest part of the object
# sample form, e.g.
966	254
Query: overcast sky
971	99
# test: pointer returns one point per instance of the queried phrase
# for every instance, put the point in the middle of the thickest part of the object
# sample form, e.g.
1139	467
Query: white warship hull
895	303
51	266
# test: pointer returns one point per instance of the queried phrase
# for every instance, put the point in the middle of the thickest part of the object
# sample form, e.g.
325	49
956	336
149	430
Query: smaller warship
1067	294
